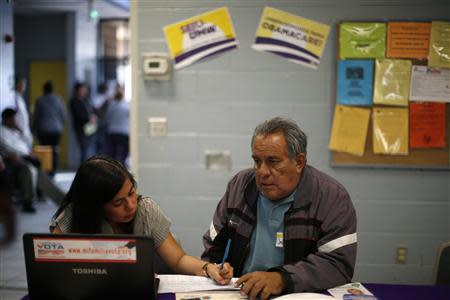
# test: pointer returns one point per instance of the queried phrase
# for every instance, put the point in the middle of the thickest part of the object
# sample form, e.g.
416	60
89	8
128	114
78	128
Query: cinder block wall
215	105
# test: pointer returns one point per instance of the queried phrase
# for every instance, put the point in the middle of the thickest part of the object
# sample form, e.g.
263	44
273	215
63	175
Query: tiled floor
13	280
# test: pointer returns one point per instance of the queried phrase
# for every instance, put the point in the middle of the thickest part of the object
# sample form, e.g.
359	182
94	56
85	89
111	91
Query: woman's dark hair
96	182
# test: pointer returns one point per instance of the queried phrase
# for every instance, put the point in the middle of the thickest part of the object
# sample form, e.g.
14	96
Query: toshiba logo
79	271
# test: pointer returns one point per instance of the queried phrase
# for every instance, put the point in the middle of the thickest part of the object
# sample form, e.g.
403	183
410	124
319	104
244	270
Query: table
382	292
388	292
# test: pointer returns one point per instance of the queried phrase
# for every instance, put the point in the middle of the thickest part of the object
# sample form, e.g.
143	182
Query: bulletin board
407	46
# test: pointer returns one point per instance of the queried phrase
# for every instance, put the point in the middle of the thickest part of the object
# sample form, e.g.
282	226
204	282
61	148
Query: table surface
381	291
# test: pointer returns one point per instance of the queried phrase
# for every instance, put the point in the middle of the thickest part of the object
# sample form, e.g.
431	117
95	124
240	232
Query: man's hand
262	284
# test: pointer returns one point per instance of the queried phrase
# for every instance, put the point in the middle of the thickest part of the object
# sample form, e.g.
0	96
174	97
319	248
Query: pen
225	254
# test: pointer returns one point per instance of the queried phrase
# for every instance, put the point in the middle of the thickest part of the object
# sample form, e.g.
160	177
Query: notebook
75	266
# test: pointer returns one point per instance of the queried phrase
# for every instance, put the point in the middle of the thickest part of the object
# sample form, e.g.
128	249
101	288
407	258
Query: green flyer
362	40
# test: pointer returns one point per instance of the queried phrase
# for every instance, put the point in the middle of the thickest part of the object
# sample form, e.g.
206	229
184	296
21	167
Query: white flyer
429	84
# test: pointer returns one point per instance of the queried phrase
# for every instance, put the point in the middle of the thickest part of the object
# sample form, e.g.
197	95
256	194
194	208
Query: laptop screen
74	266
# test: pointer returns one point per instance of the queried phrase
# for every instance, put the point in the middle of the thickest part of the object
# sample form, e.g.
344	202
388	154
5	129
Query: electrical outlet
157	126
401	254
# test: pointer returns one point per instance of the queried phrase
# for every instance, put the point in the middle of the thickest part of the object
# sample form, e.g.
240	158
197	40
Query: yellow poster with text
295	38
198	37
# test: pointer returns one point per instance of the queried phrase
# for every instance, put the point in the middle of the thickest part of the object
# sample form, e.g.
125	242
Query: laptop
80	266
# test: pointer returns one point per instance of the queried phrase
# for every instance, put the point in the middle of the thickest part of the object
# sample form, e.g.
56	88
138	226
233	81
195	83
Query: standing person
292	228
103	199
100	104
84	120
23	117
117	120
48	121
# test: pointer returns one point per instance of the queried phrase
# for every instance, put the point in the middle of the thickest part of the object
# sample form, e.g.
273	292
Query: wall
215	104
6	56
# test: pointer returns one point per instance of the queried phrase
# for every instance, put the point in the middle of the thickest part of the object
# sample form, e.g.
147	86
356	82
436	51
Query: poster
439	55
430	84
355	81
427	122
298	39
200	36
362	40
408	40
392	79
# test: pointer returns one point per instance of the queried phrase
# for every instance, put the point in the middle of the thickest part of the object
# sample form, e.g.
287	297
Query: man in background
49	120
26	167
292	228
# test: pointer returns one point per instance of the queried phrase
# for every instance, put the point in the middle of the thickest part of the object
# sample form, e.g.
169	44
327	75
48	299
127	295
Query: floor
13	280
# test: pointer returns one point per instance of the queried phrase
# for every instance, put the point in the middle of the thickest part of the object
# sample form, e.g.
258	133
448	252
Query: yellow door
40	72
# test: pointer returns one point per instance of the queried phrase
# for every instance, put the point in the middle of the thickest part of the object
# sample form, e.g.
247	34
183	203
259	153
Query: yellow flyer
439	55
390	131
295	38
392	79
198	37
349	131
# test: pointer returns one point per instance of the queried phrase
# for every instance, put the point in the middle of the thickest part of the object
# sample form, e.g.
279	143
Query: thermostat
157	66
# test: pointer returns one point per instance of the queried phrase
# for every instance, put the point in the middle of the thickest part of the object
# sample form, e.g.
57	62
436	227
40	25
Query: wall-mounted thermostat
157	66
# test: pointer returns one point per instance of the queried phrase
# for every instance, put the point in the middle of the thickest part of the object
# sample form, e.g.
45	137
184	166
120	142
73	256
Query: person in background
7	212
49	120
100	104
292	228
26	167
117	120
84	120
103	199
23	117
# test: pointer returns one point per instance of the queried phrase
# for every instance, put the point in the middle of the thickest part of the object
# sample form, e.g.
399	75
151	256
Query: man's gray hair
296	139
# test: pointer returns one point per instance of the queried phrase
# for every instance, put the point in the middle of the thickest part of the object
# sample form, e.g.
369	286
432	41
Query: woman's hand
220	275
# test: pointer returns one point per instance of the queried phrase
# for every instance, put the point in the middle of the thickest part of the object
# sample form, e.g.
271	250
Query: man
48	122
292	227
23	118
26	167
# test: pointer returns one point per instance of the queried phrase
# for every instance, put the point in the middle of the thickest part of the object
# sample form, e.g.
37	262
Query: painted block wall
215	105
6	56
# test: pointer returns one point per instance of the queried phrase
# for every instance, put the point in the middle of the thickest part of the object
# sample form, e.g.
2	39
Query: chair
442	266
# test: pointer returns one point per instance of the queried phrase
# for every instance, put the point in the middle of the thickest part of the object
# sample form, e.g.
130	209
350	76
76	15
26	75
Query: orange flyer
408	39
427	125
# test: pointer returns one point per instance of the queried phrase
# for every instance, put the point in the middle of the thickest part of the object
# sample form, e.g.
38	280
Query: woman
103	199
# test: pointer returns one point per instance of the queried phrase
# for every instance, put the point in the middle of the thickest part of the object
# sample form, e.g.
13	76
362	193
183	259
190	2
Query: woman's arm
178	260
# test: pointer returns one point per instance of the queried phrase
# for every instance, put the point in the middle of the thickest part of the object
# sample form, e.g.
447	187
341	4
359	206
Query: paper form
430	84
188	283
349	130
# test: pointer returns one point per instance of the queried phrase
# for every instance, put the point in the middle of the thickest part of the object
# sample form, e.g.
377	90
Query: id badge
279	240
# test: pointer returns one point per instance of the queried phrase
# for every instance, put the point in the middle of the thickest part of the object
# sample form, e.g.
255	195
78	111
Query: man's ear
300	162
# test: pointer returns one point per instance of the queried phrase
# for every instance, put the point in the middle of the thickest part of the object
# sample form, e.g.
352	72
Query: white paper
187	283
304	296
347	291
210	295
429	84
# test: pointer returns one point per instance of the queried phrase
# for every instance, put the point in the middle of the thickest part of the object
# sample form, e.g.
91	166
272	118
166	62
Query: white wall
216	104
6	56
